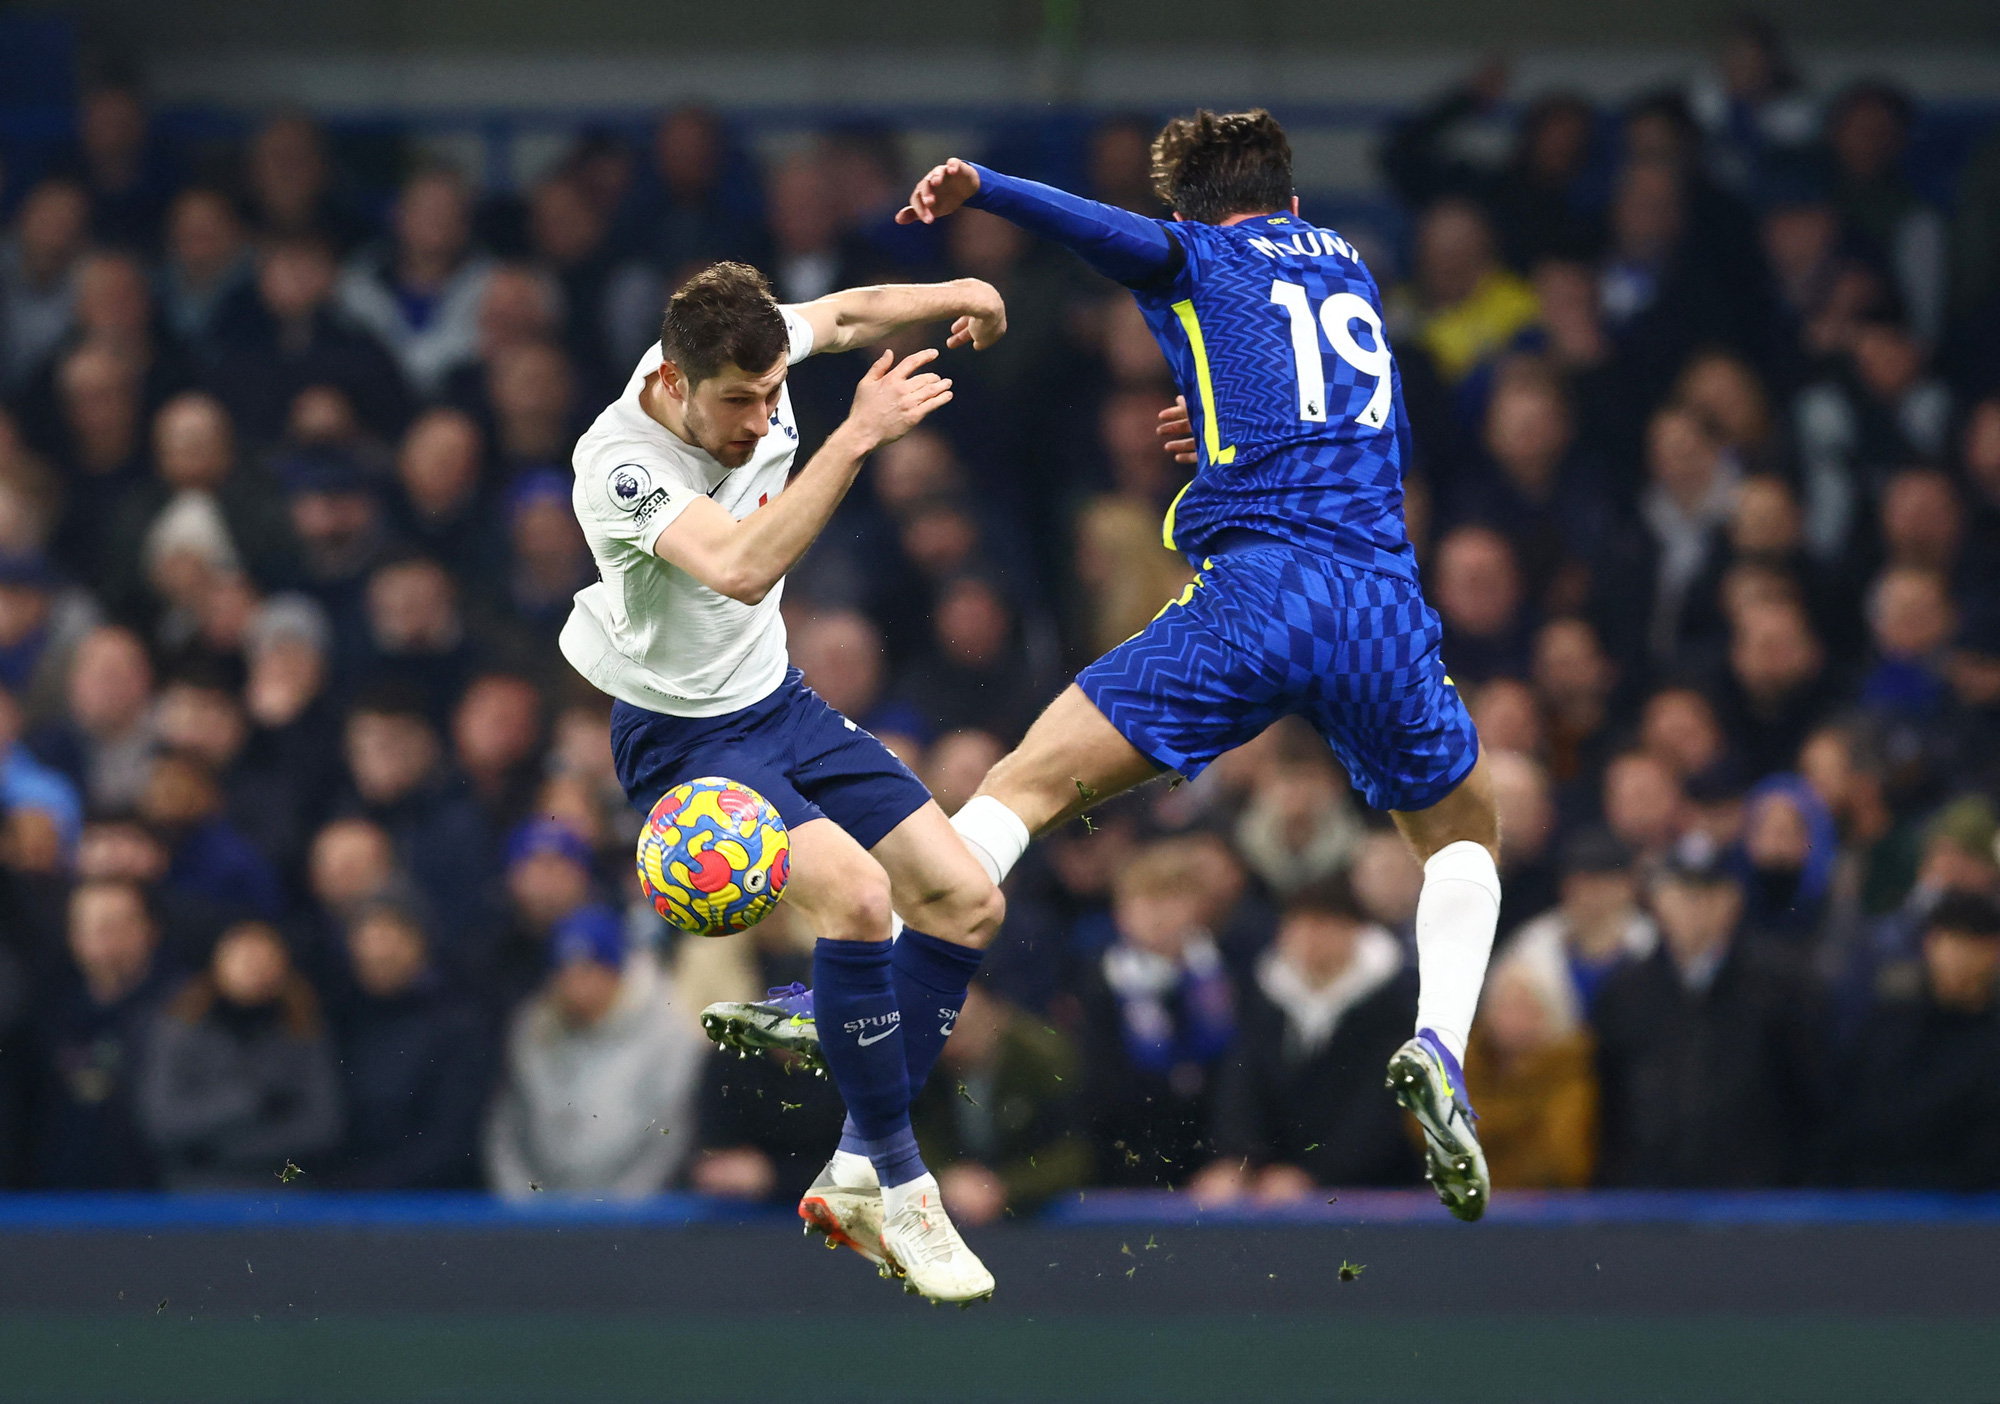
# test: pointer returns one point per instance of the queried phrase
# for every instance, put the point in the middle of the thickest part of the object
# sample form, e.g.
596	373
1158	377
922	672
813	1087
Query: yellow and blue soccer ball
714	857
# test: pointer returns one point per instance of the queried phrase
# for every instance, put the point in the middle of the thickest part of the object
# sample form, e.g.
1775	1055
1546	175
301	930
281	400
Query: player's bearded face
729	414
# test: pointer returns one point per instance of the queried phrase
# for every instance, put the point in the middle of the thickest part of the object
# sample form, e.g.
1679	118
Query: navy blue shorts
807	759
1272	630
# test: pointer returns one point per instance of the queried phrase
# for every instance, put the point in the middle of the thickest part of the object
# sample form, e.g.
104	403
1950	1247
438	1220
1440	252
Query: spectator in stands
1469	305
207	268
27	784
1686	510
1527	824
549	876
293	337
1597	929
439	507
1479	594
701	206
600	1073
1158	1018
1956	856
1541	497
1297	1101
1643	803
1880	411
1530	1072
1867	132
209	858
1299	826
1709	1050
1915	1109
88	1041
106	744
417	634
1536	199
124	172
420	292
100	441
38	276
520	306
532	396
1912	620
414	1060
41	623
1789	848
401	779
291	183
350	865
998	1115
238	1078
978	674
570	237
549	557
197	503
1775	688
496	739
1574	679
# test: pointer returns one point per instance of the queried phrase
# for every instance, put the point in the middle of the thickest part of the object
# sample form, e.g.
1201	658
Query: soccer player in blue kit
1306	601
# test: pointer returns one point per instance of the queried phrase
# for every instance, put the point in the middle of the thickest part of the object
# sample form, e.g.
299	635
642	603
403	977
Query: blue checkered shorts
1271	630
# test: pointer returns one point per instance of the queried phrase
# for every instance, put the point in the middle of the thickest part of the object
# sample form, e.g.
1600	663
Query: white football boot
849	1215
920	1242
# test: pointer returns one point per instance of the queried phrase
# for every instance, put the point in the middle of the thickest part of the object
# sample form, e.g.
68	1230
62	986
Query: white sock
994	833
852	1170
1457	913
894	1197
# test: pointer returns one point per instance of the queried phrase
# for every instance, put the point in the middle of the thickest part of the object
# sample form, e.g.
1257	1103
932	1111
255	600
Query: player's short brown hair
723	316
1214	165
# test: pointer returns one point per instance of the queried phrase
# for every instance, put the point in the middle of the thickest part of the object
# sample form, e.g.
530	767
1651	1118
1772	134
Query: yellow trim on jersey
1167	526
1211	431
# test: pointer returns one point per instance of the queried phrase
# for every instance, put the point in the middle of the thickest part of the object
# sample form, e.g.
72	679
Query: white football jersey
647	632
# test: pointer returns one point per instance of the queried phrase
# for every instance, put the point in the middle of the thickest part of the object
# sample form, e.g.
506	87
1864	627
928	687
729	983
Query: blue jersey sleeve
1124	247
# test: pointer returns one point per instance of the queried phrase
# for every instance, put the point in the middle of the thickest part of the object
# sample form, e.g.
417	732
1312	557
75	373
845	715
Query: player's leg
1458	911
1409	745
844	895
1071	758
1458	842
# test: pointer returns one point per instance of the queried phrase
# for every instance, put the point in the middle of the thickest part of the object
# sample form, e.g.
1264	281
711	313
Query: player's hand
985	324
1177	428
896	396
940	192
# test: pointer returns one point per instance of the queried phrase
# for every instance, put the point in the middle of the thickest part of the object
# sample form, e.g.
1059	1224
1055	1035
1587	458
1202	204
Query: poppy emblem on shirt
629	483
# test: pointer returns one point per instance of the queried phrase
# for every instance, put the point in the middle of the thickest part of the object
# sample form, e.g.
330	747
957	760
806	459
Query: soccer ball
714	856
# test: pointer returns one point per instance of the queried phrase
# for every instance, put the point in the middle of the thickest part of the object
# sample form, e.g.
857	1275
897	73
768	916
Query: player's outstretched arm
862	316
1124	247
744	559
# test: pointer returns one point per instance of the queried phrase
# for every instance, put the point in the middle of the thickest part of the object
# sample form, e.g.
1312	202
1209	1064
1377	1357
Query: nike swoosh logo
864	1041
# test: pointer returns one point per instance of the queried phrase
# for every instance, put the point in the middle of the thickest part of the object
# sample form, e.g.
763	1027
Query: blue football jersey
1274	332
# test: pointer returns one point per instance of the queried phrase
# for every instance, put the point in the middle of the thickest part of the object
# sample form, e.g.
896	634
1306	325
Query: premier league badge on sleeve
631	484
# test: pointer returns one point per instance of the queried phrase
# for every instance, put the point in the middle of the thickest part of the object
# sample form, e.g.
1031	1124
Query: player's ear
671	382
1295	205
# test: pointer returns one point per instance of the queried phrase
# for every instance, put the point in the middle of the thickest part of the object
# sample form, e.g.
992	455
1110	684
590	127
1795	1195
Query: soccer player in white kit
685	491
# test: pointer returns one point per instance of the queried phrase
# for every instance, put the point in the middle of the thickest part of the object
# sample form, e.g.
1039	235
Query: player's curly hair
723	316
1214	165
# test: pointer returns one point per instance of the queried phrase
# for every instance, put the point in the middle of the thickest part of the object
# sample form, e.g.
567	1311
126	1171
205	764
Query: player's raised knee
856	905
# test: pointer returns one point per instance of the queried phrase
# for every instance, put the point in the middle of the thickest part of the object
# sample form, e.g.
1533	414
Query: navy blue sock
931	980
860	1035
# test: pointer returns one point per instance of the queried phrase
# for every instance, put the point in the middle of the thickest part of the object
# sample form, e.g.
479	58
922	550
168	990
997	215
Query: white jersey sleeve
634	501
801	333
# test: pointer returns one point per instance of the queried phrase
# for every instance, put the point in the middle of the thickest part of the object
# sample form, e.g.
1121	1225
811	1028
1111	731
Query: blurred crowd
312	858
